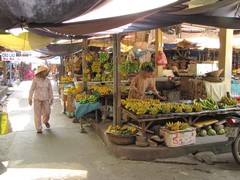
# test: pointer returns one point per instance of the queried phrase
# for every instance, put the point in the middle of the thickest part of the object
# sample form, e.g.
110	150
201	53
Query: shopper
143	81
42	91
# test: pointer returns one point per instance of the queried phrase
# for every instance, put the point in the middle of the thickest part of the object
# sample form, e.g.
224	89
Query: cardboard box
180	137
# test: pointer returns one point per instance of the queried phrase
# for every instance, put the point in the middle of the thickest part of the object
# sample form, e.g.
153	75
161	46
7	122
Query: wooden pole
116	81
84	52
225	55
4	73
158	45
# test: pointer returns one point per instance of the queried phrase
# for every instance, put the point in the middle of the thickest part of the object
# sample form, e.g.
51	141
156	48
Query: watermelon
202	132
211	132
221	132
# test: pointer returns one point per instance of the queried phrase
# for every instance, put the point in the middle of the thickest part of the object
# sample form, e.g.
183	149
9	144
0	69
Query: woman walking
42	91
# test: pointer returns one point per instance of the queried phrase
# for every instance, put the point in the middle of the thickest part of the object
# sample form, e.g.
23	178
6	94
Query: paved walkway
62	152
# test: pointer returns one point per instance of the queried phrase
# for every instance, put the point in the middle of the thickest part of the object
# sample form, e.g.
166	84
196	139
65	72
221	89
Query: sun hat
41	69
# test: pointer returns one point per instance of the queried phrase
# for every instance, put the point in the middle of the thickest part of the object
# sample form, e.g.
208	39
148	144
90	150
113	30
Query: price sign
8	56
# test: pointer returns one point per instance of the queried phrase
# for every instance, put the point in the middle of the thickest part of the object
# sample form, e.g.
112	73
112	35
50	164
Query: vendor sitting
143	81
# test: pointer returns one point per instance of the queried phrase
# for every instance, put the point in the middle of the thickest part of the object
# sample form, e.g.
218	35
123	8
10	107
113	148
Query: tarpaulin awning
15	13
24	41
60	49
223	14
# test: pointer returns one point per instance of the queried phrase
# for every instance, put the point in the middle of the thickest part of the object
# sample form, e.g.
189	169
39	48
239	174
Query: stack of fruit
150	106
66	79
103	90
123	130
176	126
211	130
86	98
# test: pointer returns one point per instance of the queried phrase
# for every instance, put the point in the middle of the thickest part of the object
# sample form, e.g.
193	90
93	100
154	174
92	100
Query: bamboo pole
116	81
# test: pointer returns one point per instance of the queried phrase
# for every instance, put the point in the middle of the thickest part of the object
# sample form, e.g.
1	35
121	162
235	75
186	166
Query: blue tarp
82	109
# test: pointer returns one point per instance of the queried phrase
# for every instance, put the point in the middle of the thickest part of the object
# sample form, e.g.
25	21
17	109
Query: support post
116	81
84	52
4	73
158	45
225	54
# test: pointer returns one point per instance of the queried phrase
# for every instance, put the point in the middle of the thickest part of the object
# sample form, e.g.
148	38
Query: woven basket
215	73
121	139
213	79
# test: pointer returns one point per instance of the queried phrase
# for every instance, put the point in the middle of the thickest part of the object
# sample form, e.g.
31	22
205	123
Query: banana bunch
89	57
103	90
103	57
68	66
153	110
187	108
178	108
66	79
92	99
96	67
127	130
176	126
165	108
82	98
86	71
228	101
108	66
209	103
197	107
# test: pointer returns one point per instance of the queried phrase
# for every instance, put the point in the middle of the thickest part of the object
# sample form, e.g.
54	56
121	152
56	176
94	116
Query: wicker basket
213	79
121	139
215	73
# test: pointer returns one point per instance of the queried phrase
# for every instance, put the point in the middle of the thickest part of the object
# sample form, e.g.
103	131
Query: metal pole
116	81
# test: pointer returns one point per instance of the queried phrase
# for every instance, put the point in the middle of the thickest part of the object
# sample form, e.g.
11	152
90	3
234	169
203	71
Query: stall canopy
24	41
17	13
60	49
224	14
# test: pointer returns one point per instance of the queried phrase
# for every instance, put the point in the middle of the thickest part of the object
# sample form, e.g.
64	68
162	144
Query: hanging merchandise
5	125
161	59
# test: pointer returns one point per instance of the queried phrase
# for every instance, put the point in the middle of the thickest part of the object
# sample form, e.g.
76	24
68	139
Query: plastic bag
5	125
161	59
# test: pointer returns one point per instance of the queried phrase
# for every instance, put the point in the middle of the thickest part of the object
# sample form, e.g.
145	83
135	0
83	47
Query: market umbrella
25	41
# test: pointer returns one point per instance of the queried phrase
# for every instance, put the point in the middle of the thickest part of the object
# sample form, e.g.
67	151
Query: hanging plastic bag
5	125
161	59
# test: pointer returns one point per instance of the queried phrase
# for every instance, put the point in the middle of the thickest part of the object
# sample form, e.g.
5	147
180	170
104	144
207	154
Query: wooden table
146	120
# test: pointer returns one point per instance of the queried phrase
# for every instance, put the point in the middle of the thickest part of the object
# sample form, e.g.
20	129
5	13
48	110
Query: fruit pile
124	130
99	67
73	90
66	79
128	66
153	106
228	101
103	56
211	130
103	90
176	126
86	98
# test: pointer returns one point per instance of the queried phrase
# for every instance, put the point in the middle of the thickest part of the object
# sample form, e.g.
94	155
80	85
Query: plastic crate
180	137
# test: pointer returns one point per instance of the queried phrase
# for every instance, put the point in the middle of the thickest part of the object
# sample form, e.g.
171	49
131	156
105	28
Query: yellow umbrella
25	41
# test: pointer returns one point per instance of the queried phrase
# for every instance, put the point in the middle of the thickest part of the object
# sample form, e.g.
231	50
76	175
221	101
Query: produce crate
180	137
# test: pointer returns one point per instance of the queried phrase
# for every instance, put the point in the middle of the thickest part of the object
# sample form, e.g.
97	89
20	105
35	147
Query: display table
83	109
146	120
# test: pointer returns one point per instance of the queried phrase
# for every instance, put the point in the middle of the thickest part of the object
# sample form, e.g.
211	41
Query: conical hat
41	69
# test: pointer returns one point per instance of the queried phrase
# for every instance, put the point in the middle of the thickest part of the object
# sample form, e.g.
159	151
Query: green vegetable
221	132
202	132
211	132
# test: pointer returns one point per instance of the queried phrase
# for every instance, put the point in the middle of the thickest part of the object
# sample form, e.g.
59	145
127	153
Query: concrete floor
62	152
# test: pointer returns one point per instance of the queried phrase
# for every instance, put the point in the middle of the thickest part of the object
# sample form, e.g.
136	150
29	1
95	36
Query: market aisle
62	152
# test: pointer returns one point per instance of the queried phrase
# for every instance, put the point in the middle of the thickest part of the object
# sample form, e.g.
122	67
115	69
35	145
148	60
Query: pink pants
42	112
